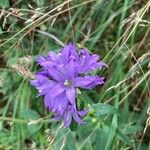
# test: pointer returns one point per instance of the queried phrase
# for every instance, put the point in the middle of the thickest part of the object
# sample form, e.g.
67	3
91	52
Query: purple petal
55	91
40	60
82	81
43	73
47	101
70	69
83	112
89	62
77	118
46	87
39	80
43	84
69	52
70	93
67	119
88	82
53	57
63	102
98	81
56	74
56	118
102	64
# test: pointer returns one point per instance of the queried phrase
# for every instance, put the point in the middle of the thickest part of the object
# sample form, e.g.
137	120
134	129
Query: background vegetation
117	30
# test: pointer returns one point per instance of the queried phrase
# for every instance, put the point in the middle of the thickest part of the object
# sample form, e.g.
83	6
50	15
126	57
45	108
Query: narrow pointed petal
82	113
70	67
46	87
56	118
77	118
82	81
69	52
53	57
40	60
89	62
88	82
70	93
39	80
67	119
47	101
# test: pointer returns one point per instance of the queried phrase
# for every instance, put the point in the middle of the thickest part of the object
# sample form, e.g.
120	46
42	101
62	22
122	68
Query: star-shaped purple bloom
60	77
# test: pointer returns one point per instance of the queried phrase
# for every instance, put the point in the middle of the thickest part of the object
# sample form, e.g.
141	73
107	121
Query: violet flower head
60	77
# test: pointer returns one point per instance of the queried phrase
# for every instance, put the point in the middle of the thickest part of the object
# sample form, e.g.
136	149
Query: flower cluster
60	77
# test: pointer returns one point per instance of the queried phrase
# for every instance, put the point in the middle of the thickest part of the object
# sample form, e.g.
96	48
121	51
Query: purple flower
60	77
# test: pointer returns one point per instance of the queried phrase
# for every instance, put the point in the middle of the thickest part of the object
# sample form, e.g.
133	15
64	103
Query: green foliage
101	109
32	116
4	4
116	30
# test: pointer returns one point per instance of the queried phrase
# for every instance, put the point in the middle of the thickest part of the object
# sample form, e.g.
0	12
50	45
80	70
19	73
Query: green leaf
39	3
133	129
1	31
73	126
65	140
101	109
4	3
112	132
70	142
123	137
32	116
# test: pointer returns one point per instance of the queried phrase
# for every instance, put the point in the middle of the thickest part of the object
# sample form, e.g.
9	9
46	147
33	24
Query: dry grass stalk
22	71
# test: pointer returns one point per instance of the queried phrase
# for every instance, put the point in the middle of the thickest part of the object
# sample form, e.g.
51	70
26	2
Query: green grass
118	31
